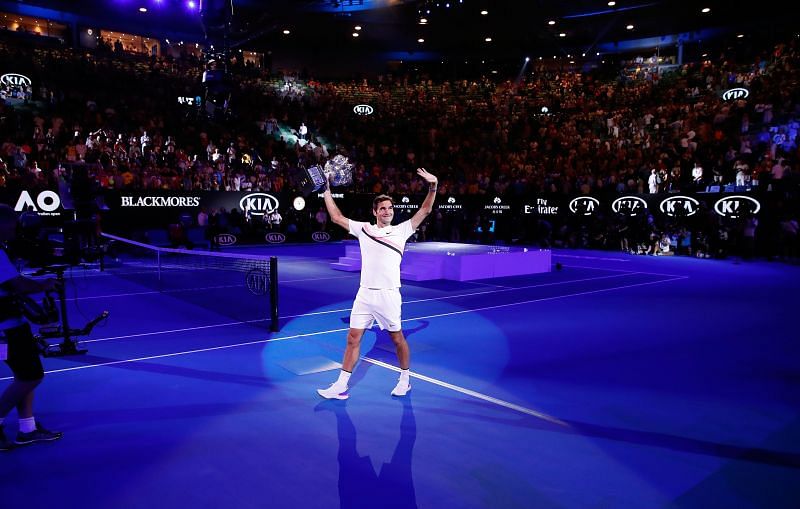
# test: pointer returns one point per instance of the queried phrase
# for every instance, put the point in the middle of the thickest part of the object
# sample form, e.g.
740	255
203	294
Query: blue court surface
615	382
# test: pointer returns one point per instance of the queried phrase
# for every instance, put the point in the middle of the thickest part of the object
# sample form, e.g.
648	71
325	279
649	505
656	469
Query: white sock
27	425
405	376
344	377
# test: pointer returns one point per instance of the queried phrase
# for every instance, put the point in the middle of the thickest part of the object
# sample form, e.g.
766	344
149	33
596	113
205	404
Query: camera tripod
69	345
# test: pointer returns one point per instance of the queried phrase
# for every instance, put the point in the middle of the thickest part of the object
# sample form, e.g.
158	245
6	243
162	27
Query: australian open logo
363	109
275	238
737	206
584	205
225	239
320	236
257	281
258	204
47	203
679	206
735	93
629	205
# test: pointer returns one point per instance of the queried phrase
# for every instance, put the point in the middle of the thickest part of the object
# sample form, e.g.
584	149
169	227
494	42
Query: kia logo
583	205
275	238
630	205
15	80
320	237
363	109
679	206
736	206
258	204
735	93
225	239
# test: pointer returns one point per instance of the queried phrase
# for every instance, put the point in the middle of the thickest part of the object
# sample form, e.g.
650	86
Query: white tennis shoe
334	392
402	388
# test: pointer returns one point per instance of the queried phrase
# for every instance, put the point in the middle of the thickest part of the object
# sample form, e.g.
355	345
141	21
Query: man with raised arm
378	298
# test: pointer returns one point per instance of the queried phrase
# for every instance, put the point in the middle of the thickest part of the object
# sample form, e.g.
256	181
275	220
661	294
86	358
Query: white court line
446	385
622	270
591	258
329	311
470	392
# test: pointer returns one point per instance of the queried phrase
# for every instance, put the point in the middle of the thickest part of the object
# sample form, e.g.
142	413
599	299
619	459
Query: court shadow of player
382	347
360	486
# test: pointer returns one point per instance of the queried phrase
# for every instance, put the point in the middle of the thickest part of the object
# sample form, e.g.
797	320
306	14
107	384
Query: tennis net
241	286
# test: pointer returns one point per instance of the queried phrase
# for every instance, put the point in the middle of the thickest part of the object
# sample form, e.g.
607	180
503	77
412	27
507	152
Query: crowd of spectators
118	118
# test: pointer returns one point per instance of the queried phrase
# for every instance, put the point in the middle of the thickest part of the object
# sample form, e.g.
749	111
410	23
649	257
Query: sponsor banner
543	207
225	239
629	205
159	201
405	203
275	238
497	206
363	109
451	203
320	236
737	206
679	206
735	93
584	206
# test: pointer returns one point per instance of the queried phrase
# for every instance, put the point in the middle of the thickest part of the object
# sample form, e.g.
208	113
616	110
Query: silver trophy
339	171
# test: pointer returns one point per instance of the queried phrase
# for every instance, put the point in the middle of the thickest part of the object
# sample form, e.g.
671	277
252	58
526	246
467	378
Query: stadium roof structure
461	28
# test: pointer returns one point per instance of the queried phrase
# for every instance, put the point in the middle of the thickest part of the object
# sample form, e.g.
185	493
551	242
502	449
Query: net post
273	293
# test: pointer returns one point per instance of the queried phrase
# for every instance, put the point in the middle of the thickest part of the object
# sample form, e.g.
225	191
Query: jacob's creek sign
497	206
160	201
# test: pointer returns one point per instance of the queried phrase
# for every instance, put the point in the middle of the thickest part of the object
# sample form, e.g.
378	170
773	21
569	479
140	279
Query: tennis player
378	299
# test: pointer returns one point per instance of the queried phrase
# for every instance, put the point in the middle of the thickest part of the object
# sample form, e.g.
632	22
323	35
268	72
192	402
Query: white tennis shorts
382	306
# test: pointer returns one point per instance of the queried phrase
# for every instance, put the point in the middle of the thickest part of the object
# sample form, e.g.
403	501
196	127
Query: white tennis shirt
381	252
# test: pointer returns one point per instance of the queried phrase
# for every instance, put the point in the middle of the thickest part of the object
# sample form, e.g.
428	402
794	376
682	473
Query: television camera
47	312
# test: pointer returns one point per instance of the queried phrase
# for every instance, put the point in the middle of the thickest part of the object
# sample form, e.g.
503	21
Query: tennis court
616	381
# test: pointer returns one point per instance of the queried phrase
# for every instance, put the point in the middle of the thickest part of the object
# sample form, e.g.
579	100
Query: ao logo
47	201
451	200
320	237
630	205
679	206
583	205
735	93
225	239
15	80
736	206
363	109
497	199
258	204
275	238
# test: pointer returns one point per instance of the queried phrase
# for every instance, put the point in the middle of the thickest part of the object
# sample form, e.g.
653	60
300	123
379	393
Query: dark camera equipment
38	313
46	313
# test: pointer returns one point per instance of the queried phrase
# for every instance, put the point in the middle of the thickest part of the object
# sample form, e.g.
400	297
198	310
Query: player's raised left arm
427	205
